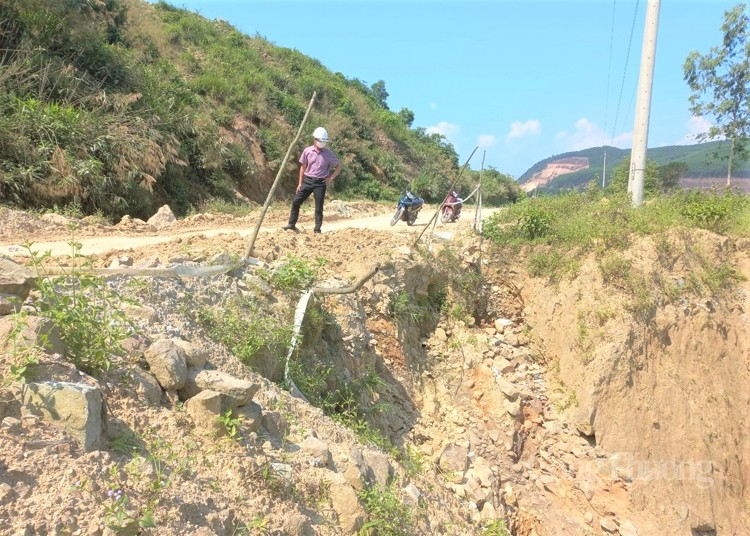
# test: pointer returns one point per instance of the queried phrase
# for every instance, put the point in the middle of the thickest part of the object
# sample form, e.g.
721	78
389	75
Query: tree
720	82
670	174
621	172
407	116
380	94
497	188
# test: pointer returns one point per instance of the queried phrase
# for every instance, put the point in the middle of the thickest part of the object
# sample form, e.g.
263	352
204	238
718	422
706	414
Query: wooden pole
446	197
276	181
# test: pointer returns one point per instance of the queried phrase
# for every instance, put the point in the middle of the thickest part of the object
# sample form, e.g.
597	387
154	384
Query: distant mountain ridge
576	169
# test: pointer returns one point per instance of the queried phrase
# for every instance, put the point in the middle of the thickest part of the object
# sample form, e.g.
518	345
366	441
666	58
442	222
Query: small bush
553	265
295	275
534	223
712	210
496	528
389	516
87	314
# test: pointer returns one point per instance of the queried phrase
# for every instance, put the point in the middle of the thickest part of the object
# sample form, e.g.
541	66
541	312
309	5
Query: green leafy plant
554	265
295	275
616	271
85	311
412	459
230	423
132	491
388	515
712	210
23	355
257	526
534	223
496	528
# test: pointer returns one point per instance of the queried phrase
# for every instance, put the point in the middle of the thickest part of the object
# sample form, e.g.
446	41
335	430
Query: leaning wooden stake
276	181
446	197
346	290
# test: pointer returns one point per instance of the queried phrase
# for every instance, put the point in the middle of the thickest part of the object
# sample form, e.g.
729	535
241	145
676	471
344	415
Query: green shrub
496	528
294	276
88	315
712	210
22	353
553	265
388	515
534	223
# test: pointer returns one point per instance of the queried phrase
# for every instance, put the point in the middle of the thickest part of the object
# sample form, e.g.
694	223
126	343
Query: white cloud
486	140
624	139
585	135
695	125
519	129
588	134
448	130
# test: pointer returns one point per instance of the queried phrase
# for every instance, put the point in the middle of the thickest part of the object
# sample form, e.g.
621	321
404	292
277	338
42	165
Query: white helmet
320	134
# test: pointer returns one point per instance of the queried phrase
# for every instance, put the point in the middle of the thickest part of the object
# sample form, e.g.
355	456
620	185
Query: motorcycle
451	209
408	208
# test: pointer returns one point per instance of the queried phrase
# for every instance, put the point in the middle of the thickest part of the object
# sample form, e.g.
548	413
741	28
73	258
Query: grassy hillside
703	160
116	107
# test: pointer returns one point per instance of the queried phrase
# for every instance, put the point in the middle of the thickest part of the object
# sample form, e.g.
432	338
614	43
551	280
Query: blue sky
522	80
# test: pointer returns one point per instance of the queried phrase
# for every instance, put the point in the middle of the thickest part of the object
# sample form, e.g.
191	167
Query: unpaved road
106	241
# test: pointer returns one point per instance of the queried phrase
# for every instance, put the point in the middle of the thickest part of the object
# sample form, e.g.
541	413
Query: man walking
318	168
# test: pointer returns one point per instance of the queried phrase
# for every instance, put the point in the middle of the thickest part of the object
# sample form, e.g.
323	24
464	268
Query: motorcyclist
457	202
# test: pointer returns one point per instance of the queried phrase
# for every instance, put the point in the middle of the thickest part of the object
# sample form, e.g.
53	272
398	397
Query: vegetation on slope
117	107
559	230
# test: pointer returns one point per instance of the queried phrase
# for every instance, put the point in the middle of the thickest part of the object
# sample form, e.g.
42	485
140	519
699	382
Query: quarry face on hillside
553	170
549	408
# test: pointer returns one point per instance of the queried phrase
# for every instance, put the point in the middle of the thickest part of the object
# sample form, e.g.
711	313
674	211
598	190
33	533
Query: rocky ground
480	422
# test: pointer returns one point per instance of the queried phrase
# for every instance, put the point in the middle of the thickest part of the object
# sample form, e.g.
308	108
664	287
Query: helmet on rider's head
320	134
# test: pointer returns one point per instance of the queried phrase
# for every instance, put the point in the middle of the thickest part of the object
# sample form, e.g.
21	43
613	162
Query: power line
606	96
609	71
625	70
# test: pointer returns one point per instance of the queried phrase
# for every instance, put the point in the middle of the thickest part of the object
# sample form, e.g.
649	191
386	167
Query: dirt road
107	240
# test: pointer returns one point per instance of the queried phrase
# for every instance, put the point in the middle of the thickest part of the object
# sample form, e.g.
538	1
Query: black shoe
289	227
317	231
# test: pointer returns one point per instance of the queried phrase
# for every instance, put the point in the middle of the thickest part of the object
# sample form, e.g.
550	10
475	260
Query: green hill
703	160
118	107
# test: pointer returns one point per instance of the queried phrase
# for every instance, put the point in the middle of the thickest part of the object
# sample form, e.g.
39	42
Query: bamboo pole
478	212
446	197
276	181
346	290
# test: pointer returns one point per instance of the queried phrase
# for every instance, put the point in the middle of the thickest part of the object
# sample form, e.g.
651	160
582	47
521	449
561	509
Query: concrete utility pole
643	104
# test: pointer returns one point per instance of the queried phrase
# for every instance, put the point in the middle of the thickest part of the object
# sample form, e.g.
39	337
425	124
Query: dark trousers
317	187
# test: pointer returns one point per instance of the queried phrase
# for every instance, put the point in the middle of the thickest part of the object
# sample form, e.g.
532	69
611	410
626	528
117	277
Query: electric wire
625	70
609	73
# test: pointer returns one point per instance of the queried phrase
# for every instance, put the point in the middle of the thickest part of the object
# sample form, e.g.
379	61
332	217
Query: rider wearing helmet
319	166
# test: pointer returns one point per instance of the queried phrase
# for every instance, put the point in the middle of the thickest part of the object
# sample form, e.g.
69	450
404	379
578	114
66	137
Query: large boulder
16	282
168	364
76	407
163	218
21	332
